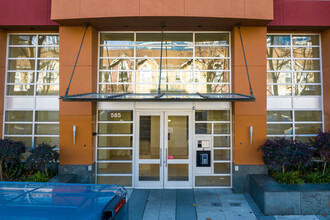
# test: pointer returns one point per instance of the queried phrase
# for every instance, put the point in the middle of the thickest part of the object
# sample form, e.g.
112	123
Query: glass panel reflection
115	180
212	51
47	116
116	76
306	90
149	139
221	168
115	141
22	40
308	128
21	64
117	38
221	154
221	141
178	137
212	180
20	89
115	128
212	77
48	89
278	52
203	128
48	65
103	154
221	128
114	168
178	172
49	52
279	90
116	51
48	77
116	64
309	77
306	65
46	129
212	64
306	52
305	40
212	115
278	77
211	38
20	77
278	40
22	52
19	116
48	40
168	51
308	115
279	129
279	115
18	129
279	65
116	88
149	172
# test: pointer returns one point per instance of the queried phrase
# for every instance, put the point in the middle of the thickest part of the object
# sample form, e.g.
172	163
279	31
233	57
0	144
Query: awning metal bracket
74	67
246	66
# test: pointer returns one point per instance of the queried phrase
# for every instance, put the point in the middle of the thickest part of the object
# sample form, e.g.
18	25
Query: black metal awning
159	96
148	97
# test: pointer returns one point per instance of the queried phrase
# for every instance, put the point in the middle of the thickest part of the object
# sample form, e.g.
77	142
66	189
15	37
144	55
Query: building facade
164	94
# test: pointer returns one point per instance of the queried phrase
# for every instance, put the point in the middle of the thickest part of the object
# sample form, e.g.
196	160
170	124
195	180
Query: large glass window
293	65
294	75
32	84
192	62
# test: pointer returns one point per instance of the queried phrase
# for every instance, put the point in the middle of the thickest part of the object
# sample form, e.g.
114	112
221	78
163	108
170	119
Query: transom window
192	62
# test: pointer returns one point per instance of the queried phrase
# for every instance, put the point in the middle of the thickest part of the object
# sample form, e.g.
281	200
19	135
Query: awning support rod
74	67
247	70
163	25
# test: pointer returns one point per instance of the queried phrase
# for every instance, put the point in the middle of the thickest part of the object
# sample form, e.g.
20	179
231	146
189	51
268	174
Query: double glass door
164	156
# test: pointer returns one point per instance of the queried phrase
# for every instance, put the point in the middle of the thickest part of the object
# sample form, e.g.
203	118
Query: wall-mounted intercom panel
203	158
203	152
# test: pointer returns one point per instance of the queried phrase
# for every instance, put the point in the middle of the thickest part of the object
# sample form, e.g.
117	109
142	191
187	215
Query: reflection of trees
273	53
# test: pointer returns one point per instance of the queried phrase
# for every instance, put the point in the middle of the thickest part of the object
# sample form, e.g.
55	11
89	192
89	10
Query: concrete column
325	43
246	114
75	158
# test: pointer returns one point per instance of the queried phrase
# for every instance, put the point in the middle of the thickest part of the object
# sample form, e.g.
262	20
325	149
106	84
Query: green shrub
290	177
321	144
315	177
38	177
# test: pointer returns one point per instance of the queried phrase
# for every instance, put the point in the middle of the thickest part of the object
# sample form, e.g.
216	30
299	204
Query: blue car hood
57	201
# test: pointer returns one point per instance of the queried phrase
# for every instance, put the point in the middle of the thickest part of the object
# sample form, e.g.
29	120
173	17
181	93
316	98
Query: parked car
61	201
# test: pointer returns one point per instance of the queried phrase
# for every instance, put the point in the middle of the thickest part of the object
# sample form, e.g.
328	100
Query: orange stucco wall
84	81
246	114
325	38
3	44
246	9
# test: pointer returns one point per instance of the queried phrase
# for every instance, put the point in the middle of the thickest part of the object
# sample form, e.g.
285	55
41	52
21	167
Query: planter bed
281	199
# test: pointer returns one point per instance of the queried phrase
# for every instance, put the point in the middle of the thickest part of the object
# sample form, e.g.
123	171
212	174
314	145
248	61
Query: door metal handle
161	156
166	157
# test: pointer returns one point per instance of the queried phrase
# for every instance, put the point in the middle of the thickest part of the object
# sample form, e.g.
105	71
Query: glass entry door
163	150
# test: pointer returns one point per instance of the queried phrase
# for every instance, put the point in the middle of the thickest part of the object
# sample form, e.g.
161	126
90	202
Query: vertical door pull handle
161	156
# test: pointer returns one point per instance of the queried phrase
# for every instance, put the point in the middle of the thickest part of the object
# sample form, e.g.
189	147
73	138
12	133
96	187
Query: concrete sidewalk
197	204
